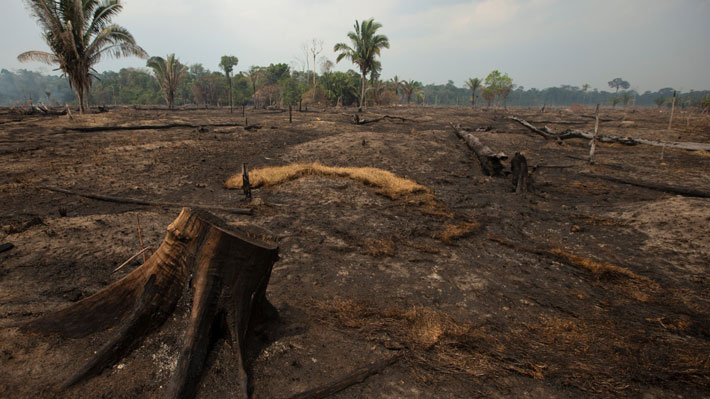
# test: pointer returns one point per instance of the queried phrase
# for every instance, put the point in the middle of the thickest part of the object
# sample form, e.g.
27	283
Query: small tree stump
230	269
522	181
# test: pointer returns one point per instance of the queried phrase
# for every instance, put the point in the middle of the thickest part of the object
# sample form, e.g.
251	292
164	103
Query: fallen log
348	380
358	121
230	268
6	247
135	201
687	192
489	160
579	134
89	129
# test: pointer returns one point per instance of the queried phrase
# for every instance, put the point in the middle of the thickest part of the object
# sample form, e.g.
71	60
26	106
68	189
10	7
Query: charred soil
583	288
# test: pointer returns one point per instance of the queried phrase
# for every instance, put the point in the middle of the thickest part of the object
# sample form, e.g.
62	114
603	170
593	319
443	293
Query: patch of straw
390	184
454	231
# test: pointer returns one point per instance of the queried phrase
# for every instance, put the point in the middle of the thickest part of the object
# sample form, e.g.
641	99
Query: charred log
230	269
489	160
522	179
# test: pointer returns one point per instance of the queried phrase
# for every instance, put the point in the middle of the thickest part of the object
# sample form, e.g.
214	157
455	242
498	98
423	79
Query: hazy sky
539	43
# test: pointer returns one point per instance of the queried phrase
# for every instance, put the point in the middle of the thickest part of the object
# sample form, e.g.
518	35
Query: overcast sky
539	43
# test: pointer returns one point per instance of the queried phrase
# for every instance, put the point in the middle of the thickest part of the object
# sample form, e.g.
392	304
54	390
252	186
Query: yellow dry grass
601	268
454	231
384	247
389	184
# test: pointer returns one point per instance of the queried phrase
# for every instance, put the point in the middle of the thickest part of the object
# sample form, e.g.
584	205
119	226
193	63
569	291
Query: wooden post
69	111
593	144
290	114
242	109
245	181
670	123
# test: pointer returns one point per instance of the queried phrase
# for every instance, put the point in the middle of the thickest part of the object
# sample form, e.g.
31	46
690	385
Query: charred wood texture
522	180
230	269
489	160
548	133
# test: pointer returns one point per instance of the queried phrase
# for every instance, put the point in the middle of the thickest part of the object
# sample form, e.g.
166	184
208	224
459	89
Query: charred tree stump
522	180
230	269
489	160
246	186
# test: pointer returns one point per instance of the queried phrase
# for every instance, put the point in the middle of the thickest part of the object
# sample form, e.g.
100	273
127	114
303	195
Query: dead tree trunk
489	160
522	180
230	269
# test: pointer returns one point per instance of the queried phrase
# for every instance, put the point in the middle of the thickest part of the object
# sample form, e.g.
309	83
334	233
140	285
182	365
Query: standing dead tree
489	160
230	269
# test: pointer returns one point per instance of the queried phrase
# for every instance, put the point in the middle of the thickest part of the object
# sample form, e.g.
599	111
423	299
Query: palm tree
411	88
227	63
474	84
169	72
366	45
396	83
79	34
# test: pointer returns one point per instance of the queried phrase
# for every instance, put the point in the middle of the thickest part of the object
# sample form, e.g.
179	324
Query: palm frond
41	56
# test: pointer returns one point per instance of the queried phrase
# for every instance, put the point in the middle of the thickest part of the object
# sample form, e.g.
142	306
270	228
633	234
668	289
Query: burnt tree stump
522	180
230	268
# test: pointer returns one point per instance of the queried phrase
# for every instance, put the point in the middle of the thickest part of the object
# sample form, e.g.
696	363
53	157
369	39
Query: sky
540	43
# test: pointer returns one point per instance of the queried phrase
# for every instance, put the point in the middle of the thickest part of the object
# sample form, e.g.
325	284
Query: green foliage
292	90
488	95
619	83
79	34
168	72
499	85
627	96
210	89
411	89
474	84
24	85
241	89
659	101
341	85
365	47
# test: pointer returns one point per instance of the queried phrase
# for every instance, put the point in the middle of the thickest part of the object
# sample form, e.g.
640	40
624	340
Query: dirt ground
502	307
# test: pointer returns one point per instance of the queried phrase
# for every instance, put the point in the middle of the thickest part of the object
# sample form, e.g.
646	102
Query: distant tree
619	83
614	101
208	88
366	45
168	72
585	87
326	65
660	101
488	95
474	84
411	88
253	74
315	48
500	84
626	97
396	84
79	34
227	63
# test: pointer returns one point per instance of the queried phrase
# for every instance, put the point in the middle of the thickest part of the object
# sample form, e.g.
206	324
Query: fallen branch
349	379
142	251
6	247
548	133
687	192
89	129
489	160
122	200
357	121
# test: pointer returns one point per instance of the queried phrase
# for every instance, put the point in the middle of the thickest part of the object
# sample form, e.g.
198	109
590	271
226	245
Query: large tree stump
230	269
489	160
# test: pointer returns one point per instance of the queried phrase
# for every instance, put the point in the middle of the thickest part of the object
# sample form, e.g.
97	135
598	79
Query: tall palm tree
227	63
169	72
79	34
366	46
411	88
474	84
396	83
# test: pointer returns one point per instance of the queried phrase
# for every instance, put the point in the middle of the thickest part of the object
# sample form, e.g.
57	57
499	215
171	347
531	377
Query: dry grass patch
384	247
389	184
454	231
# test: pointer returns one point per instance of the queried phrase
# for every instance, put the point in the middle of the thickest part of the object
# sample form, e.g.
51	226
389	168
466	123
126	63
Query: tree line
79	33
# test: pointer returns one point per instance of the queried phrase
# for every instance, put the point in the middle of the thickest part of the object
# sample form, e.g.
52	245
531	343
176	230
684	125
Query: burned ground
585	287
